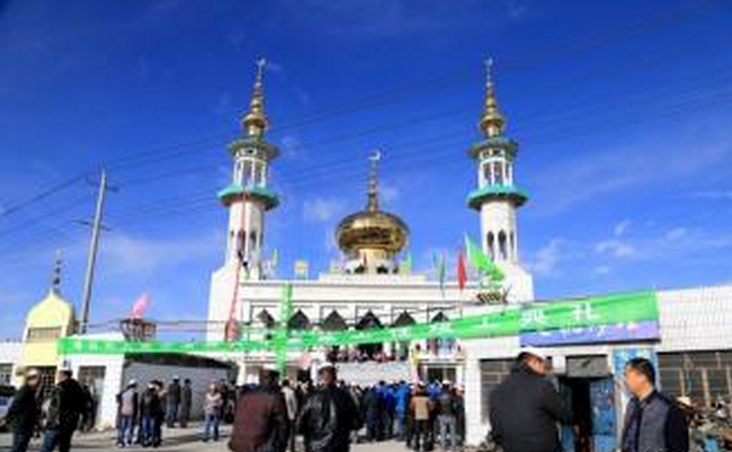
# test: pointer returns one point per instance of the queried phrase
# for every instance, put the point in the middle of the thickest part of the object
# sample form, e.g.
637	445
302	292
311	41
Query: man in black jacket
525	408
62	412
329	416
23	414
653	422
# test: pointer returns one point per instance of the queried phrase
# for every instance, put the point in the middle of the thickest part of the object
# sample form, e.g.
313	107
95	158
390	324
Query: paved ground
177	440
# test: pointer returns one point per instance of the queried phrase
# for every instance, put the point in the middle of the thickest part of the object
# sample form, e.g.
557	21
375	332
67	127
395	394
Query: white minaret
497	197
247	197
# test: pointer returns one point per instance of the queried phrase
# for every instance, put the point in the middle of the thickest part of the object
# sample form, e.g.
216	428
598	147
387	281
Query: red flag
138	309
462	274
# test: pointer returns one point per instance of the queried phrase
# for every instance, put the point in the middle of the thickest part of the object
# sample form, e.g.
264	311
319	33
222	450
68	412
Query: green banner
501	321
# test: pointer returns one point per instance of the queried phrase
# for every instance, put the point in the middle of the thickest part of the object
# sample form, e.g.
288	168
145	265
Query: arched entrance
369	322
401	349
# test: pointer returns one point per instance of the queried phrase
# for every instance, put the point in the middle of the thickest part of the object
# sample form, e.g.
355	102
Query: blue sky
622	111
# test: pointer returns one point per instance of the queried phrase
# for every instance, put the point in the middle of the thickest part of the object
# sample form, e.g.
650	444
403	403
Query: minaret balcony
235	191
476	198
253	146
497	142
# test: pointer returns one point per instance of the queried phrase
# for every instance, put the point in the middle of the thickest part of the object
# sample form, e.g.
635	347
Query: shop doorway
440	374
593	409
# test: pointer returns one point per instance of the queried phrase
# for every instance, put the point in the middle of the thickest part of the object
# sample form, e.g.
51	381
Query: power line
667	16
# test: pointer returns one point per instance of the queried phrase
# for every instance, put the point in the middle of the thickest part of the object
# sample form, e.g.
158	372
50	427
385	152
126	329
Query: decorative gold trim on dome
255	123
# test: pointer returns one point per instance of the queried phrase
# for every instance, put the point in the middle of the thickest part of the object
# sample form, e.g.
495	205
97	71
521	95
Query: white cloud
675	234
621	228
615	248
143	256
322	210
649	162
547	258
388	193
291	146
602	270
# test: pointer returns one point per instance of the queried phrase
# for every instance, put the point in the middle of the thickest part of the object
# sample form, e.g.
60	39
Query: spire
492	122
255	122
373	191
56	275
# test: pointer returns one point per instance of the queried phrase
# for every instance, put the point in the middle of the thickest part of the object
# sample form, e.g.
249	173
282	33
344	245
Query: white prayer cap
533	351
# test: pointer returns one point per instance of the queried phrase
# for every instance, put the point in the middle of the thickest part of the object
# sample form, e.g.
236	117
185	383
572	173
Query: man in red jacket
261	423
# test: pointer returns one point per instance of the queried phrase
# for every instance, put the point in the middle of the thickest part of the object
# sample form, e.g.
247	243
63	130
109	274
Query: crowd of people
275	415
331	415
141	415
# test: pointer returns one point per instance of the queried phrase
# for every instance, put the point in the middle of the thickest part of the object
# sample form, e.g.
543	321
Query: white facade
351	296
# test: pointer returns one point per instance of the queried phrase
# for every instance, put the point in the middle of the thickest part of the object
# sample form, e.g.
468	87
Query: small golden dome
255	122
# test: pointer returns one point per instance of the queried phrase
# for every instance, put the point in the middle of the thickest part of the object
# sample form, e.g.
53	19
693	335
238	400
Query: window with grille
44	334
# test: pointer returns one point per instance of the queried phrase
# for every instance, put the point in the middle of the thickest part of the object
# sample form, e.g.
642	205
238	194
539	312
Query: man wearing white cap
525	408
329	415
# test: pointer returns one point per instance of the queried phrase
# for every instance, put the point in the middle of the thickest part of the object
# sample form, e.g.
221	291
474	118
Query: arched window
485	174
334	322
258	173
266	319
402	348
498	172
440	346
368	322
299	321
503	245
491	245
246	172
404	319
513	246
253	241
240	242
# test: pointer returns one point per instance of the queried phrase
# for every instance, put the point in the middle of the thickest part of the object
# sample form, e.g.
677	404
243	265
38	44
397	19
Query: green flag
481	262
439	261
275	259
406	264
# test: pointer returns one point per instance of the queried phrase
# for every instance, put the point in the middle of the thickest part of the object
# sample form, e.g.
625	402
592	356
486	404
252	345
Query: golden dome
377	231
372	235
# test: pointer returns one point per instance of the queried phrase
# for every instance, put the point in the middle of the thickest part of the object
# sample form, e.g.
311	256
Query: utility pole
93	248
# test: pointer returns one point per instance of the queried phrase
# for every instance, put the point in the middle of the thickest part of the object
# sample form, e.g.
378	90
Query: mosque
370	289
688	339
